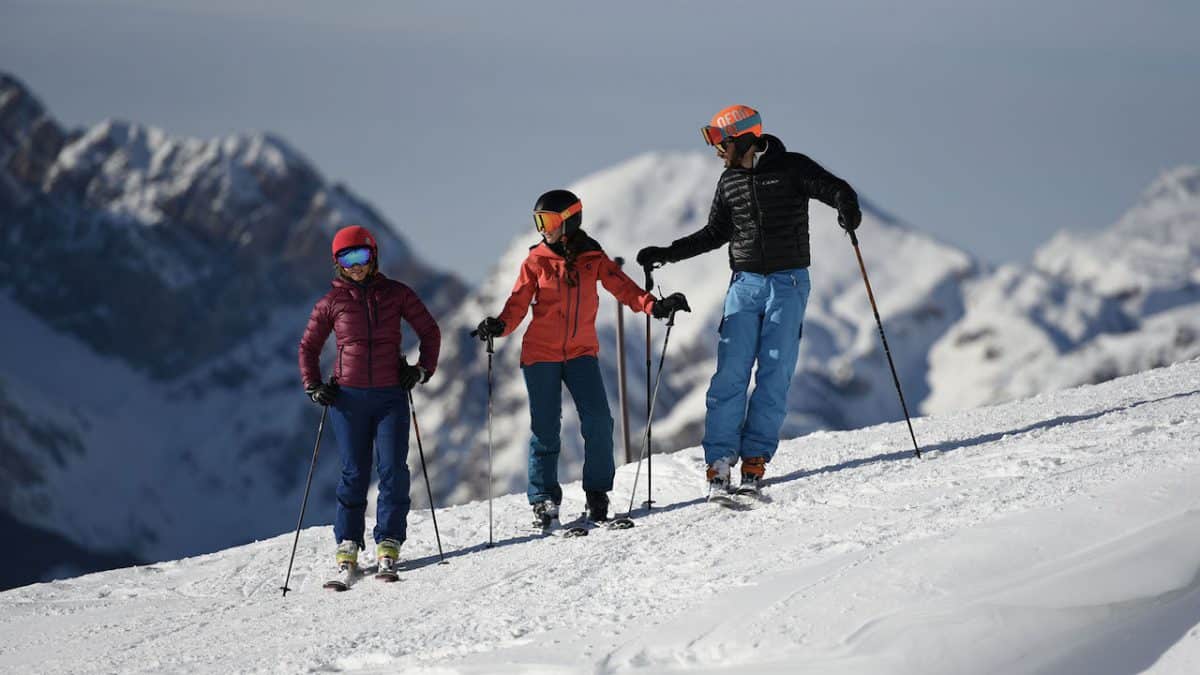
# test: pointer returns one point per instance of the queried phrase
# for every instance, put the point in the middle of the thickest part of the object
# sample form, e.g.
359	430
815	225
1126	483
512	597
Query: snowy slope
842	380
1055	534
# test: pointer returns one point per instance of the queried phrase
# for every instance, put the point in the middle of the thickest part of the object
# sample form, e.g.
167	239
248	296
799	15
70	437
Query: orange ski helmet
732	122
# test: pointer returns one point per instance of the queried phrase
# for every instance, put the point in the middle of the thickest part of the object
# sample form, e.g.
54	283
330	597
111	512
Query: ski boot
597	512
719	486
597	506
545	513
347	563
387	552
753	470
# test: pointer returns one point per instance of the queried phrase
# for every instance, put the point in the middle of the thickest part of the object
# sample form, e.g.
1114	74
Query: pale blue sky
989	125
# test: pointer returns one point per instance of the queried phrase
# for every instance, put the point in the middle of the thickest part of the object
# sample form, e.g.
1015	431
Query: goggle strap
745	124
543	220
729	130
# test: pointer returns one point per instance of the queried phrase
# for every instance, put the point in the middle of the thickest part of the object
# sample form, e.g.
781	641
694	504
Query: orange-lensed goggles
549	221
717	135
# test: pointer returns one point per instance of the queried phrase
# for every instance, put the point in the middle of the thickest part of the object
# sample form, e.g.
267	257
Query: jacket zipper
578	302
367	306
339	366
566	319
762	244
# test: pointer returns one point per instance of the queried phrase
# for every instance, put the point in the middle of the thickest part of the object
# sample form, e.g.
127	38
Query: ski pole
621	375
654	395
883	338
647	447
428	490
490	350
304	502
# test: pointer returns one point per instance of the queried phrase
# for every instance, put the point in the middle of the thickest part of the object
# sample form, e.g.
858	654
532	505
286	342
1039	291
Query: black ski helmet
558	201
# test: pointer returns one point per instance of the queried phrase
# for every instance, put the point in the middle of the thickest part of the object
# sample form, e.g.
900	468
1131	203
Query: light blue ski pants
762	322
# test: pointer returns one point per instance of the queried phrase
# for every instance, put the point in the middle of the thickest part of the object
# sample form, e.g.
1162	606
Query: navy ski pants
544	382
371	424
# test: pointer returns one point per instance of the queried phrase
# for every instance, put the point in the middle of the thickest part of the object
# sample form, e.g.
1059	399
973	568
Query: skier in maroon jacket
368	393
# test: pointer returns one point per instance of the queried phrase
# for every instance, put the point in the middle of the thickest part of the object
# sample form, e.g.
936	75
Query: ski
616	523
554	528
752	495
729	502
566	530
347	574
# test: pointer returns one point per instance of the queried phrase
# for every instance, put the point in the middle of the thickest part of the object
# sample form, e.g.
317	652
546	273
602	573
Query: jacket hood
775	149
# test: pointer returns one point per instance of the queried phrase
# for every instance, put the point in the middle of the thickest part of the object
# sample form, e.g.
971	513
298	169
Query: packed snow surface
1054	534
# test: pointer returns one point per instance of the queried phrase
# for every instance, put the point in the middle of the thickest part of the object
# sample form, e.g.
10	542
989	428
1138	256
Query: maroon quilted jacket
366	322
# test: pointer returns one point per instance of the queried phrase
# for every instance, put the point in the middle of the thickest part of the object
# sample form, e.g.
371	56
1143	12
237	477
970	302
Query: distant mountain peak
1177	185
236	225
30	140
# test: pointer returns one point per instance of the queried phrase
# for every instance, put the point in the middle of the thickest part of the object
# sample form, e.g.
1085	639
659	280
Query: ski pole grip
649	270
490	345
853	237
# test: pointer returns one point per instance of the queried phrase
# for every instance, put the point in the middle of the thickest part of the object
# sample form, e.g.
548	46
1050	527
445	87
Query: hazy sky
987	124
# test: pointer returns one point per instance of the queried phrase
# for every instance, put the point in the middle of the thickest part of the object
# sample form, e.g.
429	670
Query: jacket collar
340	282
544	250
774	151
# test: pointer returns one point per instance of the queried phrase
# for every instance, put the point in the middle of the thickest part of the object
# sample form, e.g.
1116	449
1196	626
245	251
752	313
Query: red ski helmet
353	236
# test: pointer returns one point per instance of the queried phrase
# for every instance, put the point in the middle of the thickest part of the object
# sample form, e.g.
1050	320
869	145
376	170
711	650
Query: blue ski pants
544	382
762	322
371	424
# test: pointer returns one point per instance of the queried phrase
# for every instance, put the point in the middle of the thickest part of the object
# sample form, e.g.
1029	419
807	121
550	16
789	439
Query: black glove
489	327
664	307
849	219
411	375
321	393
654	256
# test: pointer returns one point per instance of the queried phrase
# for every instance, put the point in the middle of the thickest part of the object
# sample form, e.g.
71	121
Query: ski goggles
718	135
549	221
350	257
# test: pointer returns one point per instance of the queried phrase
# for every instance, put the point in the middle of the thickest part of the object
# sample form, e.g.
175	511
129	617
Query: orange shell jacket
564	317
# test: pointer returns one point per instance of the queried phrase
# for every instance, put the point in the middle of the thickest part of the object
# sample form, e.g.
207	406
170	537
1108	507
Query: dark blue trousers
371	424
544	382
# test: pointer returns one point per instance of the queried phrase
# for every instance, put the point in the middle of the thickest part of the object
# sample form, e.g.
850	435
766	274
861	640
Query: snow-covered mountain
152	292
1091	307
1058	534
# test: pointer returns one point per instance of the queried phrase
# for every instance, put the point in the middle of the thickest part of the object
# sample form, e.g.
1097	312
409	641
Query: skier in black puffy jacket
761	210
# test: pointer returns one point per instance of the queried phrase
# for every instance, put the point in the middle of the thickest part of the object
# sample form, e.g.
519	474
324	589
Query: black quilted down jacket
762	213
